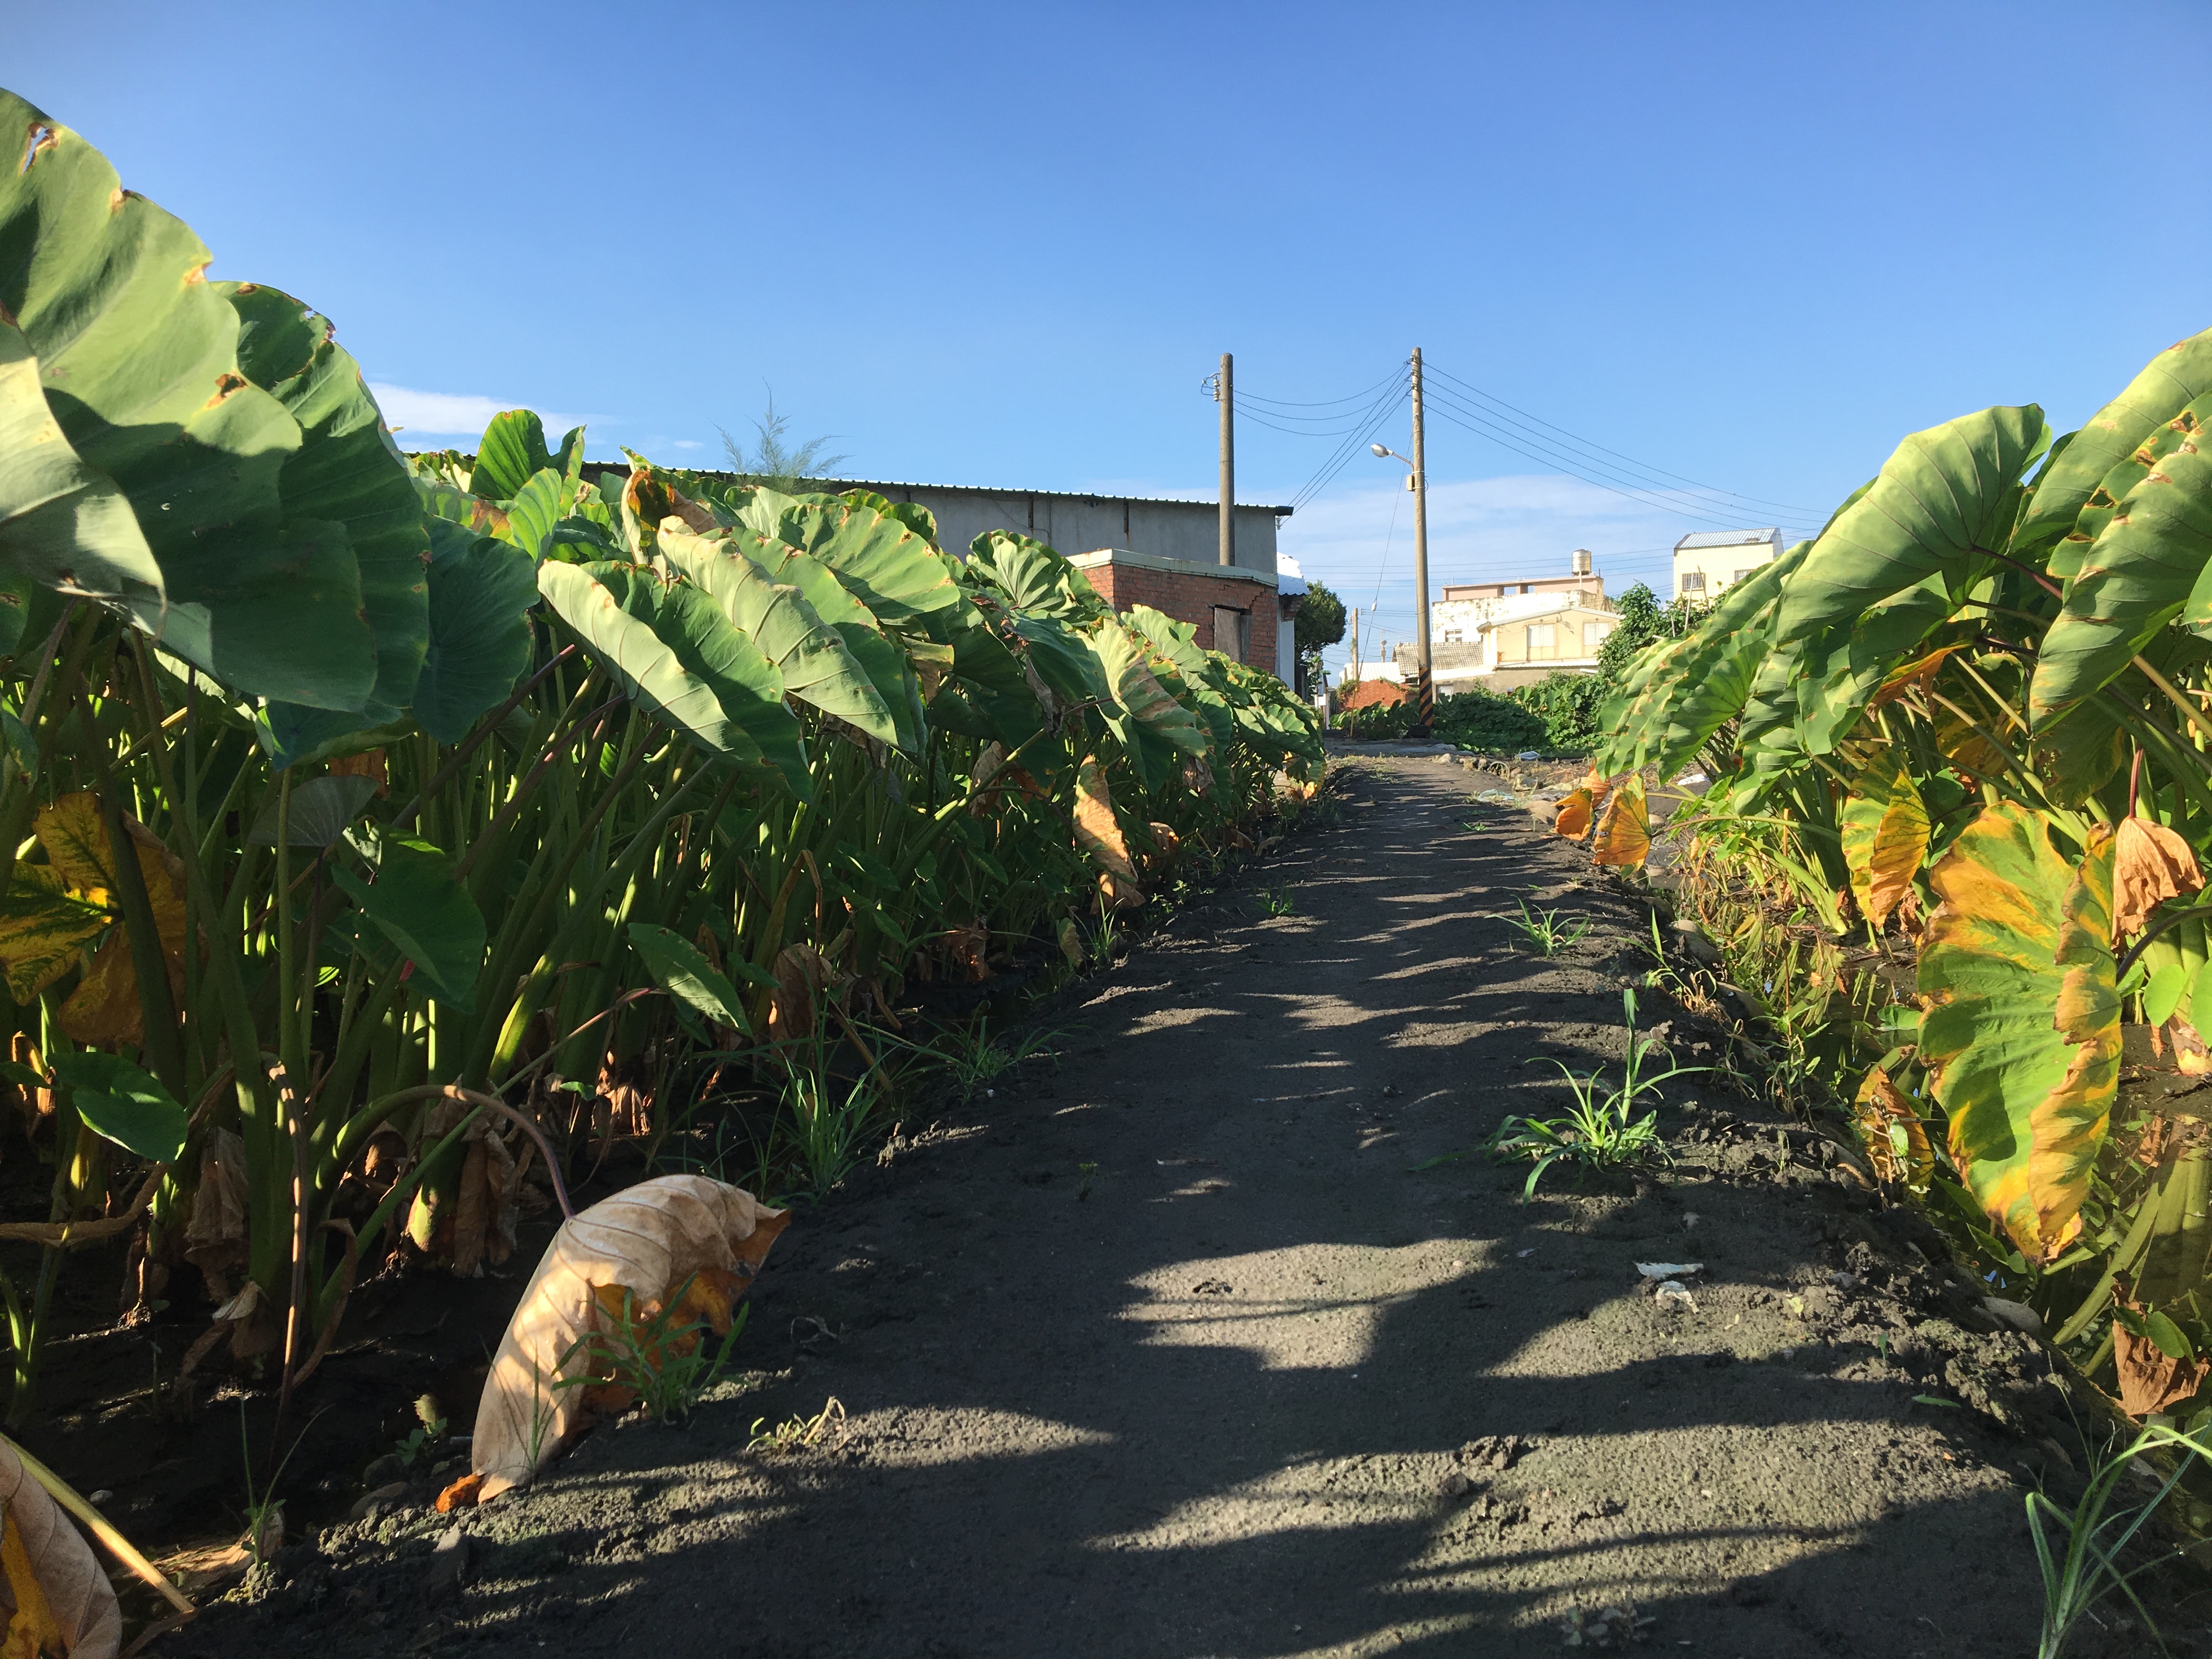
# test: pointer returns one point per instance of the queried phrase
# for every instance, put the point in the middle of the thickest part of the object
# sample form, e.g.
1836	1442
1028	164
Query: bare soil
1184	1347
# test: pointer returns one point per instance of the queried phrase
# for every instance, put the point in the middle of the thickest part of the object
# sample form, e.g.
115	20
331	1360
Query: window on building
1741	575
1594	634
1232	632
1451	636
1693	581
1543	639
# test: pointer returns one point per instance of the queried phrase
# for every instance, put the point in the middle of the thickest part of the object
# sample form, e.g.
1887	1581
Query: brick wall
1190	595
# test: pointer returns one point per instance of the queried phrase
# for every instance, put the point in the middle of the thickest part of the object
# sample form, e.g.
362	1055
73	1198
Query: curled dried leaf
1623	836
1573	818
63	1603
2150	865
2151	1379
1098	831
646	1241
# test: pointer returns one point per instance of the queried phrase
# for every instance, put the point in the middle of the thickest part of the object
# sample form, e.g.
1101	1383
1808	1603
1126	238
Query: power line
1520	441
1377	412
1642	495
1326	403
1485	397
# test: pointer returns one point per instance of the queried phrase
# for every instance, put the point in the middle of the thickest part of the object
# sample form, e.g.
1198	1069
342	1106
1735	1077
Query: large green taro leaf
139	360
1033	578
1709	680
481	594
895	573
2146	568
419	904
1946	496
1156	731
347	469
2174	378
2021	1030
675	652
815	663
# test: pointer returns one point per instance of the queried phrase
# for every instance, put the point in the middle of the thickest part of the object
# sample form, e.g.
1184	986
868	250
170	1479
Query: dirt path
1172	1351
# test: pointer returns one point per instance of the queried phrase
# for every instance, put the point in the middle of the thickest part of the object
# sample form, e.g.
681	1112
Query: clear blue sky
1752	246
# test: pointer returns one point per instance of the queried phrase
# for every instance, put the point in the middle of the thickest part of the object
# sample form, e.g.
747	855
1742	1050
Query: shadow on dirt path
1174	1352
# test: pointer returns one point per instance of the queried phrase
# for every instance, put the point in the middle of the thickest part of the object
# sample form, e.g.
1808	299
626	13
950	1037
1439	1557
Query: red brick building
1237	611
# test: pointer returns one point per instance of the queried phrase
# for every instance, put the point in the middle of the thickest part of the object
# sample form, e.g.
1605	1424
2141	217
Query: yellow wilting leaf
2150	863
1573	819
43	926
1098	832
646	1241
1965	747
1895	1139
1917	675
2021	1031
63	1602
31	1627
1885	836
1624	829
53	909
76	841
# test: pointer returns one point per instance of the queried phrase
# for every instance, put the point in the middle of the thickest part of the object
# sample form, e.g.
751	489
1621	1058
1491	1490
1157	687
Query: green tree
1320	623
1644	618
775	462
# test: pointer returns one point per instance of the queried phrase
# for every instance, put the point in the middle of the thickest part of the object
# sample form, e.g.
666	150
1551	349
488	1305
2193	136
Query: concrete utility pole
1226	391
1426	690
1355	645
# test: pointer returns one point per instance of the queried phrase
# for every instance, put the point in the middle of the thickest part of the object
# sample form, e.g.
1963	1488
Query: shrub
1567	704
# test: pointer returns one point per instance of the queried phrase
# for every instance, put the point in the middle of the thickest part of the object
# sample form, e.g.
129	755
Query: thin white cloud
449	414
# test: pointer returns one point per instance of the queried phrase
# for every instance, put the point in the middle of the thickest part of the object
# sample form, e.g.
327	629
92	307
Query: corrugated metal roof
1727	538
1056	495
832	486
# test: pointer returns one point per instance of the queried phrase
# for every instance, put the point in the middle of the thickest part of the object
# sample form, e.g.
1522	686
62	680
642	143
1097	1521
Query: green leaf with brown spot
2021	1034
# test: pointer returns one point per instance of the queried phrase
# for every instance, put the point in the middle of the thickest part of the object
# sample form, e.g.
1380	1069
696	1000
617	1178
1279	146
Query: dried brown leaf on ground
2151	1380
647	1240
60	1601
215	1237
2150	865
803	979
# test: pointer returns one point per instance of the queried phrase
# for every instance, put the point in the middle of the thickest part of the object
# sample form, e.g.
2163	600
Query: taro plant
1967	722
386	832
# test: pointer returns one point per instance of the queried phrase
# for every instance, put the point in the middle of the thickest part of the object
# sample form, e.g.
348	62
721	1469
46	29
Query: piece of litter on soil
1690	1220
1527	754
1670	1269
1530	1251
2017	1315
1675	1296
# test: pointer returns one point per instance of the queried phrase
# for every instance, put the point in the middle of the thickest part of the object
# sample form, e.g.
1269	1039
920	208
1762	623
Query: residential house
1498	635
1711	561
